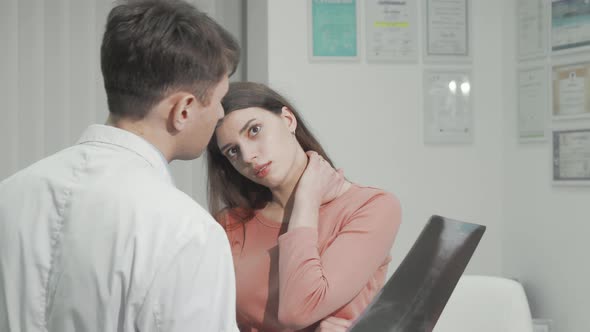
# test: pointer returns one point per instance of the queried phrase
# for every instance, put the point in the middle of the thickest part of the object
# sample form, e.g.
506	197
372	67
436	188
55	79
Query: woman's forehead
234	123
241	116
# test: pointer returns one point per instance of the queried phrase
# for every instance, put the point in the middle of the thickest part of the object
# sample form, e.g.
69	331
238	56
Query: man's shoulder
156	209
143	183
38	170
151	194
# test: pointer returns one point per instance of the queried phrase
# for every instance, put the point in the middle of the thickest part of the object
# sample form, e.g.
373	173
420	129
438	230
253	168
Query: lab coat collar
128	140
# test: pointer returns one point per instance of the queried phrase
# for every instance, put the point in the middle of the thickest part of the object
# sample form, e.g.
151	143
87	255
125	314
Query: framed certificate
571	156
533	103
391	29
447	28
333	30
570	24
571	91
532	28
448	115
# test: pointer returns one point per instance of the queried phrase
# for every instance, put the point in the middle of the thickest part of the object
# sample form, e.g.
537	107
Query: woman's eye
255	130
231	152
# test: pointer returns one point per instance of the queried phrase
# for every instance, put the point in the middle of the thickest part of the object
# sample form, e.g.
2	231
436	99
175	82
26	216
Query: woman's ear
289	118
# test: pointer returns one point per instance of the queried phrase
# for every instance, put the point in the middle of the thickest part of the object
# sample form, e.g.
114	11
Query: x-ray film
414	297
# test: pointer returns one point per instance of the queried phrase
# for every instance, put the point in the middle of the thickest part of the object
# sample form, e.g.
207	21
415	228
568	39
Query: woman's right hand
333	324
320	182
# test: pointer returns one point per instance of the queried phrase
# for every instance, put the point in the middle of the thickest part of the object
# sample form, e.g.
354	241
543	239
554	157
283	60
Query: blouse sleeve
312	286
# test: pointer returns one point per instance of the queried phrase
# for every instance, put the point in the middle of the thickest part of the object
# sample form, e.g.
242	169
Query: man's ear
183	108
289	118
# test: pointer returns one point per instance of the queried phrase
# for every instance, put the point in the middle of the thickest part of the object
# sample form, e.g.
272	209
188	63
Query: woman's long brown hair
228	189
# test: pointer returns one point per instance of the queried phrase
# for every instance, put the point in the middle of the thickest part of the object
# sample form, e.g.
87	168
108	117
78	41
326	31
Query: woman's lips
262	170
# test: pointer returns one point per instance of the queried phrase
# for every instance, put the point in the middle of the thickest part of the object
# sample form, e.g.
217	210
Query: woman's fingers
333	324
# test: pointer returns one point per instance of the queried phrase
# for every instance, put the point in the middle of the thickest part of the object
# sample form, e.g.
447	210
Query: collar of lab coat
128	140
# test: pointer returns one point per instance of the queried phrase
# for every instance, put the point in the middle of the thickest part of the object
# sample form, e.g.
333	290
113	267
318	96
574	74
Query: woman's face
259	144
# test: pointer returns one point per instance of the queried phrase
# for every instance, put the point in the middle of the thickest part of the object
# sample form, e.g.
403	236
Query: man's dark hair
152	48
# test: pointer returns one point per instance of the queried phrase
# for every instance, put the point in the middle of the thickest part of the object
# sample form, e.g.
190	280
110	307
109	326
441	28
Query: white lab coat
97	238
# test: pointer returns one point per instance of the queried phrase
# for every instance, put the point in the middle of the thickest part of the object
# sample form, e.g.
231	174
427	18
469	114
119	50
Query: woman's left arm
311	286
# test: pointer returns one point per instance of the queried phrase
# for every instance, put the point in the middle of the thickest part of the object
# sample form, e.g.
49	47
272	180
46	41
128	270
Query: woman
310	248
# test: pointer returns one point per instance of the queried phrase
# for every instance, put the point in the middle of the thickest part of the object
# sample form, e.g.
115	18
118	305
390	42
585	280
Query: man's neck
142	129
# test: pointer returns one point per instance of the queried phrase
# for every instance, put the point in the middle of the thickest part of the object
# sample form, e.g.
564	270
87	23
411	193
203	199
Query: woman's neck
283	194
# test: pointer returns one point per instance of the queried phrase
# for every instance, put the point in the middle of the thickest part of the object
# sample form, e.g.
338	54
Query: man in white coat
97	237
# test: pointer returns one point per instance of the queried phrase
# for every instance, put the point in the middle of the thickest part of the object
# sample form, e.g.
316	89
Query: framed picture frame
391	31
333	30
447	31
447	109
570	157
570	88
533	102
532	29
570	26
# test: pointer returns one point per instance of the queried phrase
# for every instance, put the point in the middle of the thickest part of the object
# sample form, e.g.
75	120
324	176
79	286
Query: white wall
368	117
545	238
49	85
257	40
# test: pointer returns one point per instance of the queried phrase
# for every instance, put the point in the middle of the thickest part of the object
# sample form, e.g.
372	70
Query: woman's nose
248	154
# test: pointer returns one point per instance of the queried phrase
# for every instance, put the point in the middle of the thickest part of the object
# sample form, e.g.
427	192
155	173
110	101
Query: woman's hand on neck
319	184
282	195
279	209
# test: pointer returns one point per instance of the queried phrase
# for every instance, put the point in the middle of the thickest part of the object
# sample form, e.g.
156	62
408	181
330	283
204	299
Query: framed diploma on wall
391	31
532	29
333	33
571	157
448	114
533	103
571	90
570	25
447	31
